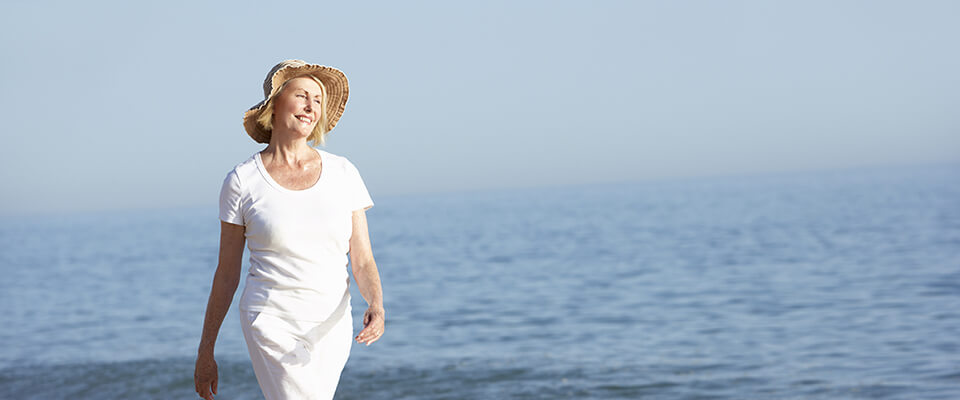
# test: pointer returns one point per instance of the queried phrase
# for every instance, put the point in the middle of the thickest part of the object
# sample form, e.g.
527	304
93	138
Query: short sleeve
230	200
357	190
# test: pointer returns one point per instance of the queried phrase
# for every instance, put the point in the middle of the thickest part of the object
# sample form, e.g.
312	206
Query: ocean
814	285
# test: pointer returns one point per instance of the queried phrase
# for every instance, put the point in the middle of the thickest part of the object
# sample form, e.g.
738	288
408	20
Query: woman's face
297	107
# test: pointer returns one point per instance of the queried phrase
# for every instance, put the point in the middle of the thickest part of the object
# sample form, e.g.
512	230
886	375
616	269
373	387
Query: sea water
818	285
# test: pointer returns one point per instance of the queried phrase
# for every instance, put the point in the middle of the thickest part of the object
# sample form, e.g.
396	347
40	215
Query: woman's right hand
205	376
225	282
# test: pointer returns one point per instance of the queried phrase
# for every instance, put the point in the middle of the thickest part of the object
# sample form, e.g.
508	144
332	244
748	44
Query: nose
308	107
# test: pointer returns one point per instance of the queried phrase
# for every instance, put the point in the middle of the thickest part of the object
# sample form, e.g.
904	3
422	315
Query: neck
287	149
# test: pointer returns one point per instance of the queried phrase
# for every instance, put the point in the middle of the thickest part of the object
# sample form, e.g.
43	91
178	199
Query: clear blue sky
139	104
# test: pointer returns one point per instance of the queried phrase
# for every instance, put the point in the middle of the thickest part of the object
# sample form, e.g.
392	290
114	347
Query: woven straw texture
334	81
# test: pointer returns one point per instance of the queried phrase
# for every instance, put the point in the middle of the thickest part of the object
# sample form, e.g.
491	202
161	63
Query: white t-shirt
298	239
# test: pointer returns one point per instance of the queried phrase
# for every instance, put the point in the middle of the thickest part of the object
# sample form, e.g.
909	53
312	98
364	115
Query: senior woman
300	211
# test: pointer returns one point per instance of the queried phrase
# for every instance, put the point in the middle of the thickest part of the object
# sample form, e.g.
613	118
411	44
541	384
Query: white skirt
297	359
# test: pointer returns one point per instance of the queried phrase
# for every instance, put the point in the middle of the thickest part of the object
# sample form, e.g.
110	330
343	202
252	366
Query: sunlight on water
819	285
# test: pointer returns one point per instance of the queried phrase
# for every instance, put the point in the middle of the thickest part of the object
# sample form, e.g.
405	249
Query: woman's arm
368	279
225	282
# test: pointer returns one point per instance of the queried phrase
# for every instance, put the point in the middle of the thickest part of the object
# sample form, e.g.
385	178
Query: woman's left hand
373	321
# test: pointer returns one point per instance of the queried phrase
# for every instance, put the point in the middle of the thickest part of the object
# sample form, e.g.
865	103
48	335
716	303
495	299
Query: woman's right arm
225	282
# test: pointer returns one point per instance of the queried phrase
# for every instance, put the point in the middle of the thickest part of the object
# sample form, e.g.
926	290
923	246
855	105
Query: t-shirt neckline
278	186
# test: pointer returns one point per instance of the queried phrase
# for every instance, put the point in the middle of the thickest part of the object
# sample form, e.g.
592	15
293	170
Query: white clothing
297	360
298	239
295	309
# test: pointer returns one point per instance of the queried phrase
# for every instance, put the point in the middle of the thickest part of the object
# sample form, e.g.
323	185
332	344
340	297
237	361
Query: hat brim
337	91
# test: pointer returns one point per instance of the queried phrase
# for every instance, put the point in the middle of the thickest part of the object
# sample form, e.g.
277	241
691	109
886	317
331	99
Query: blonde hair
319	134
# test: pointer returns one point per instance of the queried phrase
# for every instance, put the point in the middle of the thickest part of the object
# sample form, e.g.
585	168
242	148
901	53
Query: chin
303	134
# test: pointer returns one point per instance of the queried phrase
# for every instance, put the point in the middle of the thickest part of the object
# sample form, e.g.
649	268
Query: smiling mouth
304	119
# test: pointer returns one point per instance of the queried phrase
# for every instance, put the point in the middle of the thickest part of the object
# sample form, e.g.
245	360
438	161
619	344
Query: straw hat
334	81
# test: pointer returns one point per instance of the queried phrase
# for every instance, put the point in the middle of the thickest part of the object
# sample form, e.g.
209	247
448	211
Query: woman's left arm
368	279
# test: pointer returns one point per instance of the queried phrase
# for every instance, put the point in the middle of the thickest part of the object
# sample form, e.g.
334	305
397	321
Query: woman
300	210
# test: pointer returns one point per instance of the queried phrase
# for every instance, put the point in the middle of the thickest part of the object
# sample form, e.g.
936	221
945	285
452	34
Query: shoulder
243	170
336	162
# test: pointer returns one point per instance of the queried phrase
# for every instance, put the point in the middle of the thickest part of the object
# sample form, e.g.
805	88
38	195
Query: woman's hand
205	376
225	282
368	279
373	322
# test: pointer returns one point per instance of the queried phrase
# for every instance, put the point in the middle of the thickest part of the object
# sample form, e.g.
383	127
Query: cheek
286	103
282	106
